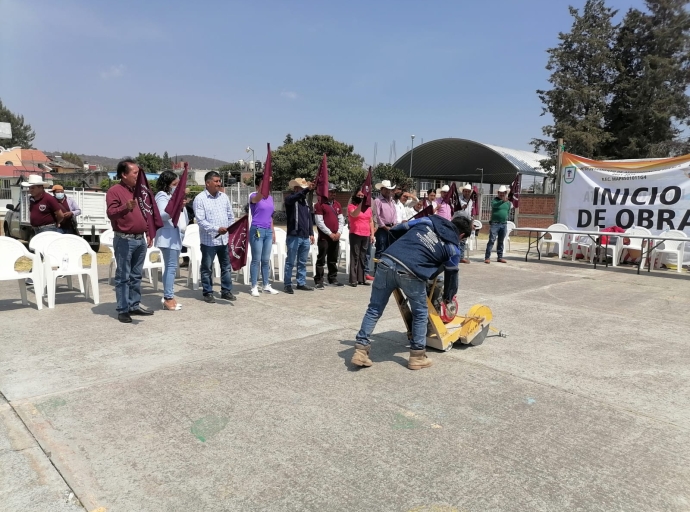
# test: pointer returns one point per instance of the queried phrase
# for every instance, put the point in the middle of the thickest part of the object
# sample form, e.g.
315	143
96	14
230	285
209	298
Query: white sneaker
269	289
255	291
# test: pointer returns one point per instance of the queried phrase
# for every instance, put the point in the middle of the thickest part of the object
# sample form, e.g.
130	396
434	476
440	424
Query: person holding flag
262	234
170	200
300	234
444	208
214	216
129	243
361	235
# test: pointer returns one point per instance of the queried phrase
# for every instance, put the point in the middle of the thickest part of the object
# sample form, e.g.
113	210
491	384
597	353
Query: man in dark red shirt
129	242
45	213
330	223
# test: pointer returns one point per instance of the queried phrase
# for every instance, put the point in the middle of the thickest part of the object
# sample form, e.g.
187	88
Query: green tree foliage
166	163
302	158
288	139
151	162
233	168
394	175
582	73
73	158
22	134
650	104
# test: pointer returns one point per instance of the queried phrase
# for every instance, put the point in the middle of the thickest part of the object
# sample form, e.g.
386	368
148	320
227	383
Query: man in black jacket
300	234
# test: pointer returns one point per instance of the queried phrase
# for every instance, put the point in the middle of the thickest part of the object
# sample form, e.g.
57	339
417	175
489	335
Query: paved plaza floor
254	406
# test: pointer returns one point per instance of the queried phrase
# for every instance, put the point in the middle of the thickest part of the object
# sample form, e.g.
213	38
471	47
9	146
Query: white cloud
113	72
291	95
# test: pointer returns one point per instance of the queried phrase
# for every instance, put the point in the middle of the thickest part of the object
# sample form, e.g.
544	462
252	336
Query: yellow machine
470	329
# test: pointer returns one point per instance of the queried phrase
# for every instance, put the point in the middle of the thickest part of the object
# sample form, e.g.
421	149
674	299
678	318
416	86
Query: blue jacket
299	222
426	247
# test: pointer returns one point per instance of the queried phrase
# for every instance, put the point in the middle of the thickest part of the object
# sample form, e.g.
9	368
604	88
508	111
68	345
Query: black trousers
328	254
359	247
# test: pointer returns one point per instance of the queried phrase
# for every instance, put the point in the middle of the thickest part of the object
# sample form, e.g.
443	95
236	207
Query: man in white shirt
404	205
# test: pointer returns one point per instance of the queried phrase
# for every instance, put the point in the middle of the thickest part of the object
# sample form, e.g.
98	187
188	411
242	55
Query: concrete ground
254	406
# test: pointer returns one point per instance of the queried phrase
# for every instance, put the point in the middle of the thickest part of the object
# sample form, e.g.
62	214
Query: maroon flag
321	181
237	242
174	206
147	205
475	201
453	199
268	175
429	210
514	194
366	190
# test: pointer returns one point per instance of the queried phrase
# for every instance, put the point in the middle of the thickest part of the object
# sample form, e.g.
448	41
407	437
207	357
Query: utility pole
559	177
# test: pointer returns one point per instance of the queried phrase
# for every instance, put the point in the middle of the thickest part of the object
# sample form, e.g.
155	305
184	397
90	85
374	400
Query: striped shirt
213	213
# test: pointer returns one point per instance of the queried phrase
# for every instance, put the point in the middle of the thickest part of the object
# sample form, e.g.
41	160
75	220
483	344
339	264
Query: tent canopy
462	160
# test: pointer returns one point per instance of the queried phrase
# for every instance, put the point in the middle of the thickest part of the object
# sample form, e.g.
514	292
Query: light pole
411	155
253	162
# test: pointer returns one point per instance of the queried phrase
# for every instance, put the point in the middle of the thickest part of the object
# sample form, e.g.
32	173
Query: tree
582	73
302	158
73	158
166	162
394	175
22	134
233	168
150	162
288	139
650	104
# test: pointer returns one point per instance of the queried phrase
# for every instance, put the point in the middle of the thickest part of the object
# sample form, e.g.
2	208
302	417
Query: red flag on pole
366	190
429	210
514	194
268	175
453	198
321	181
174	207
237	242
147	205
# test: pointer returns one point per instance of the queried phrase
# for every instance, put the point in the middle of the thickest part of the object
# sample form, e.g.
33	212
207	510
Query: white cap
445	188
503	188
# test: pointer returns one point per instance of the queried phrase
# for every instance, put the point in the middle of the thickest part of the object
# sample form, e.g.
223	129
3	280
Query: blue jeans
171	258
461	245
297	251
497	231
45	229
208	254
389	276
262	247
129	257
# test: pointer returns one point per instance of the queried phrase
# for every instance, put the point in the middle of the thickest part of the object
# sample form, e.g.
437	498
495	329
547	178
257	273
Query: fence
239	199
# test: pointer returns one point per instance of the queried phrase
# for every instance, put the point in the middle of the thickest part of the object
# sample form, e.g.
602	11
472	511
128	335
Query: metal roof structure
462	160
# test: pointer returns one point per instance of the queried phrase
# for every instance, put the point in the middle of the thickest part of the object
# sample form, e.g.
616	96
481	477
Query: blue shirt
213	213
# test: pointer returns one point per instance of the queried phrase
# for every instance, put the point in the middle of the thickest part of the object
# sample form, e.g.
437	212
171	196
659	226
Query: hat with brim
445	188
467	187
34	179
299	182
57	188
503	188
384	184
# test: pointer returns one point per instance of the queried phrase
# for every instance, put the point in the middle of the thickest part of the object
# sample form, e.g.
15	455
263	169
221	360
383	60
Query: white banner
653	194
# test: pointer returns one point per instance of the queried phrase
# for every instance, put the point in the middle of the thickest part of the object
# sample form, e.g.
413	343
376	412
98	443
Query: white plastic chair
152	267
68	250
107	238
614	247
344	249
509	230
671	247
192	242
37	244
557	239
279	253
585	244
472	243
10	251
634	244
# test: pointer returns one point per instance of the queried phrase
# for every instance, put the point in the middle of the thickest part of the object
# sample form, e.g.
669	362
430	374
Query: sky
211	77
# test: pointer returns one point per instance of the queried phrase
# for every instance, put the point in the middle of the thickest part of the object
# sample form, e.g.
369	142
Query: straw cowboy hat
57	188
34	179
385	184
298	182
467	187
445	188
503	188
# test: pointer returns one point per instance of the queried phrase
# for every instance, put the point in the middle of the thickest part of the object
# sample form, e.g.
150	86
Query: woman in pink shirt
361	235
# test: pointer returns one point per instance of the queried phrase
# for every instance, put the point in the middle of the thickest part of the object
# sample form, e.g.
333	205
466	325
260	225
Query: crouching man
423	248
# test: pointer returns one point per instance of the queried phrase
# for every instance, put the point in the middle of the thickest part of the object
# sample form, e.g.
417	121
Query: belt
129	236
